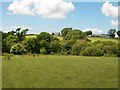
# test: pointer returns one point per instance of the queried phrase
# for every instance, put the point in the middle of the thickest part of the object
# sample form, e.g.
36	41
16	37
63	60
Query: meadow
57	71
93	39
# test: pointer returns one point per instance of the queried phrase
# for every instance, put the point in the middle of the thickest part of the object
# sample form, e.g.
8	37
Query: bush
109	48
17	49
31	45
78	46
92	51
55	46
43	51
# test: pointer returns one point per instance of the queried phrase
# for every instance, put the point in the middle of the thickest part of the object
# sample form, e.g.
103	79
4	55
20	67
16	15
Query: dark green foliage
17	49
88	32
74	42
78	46
9	42
44	36
55	46
118	33
67	46
11	38
31	45
111	33
43	51
74	35
46	45
20	34
65	31
92	51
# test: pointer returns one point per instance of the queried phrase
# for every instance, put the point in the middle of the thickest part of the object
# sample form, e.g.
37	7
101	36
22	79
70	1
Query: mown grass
60	72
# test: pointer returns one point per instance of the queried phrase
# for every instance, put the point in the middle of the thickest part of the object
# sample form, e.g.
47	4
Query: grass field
93	39
60	72
31	36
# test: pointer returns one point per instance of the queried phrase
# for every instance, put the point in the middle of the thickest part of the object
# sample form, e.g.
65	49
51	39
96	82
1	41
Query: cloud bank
45	8
109	10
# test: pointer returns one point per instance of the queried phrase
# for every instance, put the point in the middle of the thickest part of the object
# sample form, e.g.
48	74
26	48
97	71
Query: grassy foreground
60	72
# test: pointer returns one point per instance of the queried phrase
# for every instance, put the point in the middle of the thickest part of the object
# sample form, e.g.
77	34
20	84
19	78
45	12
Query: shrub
43	51
92	51
78	46
31	45
55	46
17	49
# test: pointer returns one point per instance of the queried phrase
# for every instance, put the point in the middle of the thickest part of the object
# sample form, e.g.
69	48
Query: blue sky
86	15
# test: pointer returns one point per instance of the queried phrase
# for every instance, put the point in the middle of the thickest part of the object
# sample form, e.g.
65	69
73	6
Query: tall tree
21	34
88	32
65	31
44	36
111	33
118	33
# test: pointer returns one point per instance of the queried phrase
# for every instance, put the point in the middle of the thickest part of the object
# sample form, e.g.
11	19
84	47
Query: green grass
93	39
31	36
34	36
0	73
59	37
60	72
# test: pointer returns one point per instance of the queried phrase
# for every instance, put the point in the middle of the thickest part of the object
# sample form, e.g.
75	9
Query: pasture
60	72
93	39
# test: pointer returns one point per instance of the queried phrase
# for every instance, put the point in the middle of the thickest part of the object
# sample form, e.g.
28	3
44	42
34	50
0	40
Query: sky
52	16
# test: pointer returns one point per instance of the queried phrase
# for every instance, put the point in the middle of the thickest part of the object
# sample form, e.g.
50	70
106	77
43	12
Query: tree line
75	42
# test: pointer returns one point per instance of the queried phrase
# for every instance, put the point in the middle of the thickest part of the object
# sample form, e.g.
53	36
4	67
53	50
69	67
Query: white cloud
115	23
7	29
21	7
44	8
109	10
94	30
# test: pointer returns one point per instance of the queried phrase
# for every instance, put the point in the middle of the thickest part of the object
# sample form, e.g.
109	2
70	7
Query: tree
78	46
66	45
31	45
53	34
46	45
111	33
74	35
118	33
92	51
20	34
9	42
17	49
44	36
65	31
11	33
55	46
88	32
